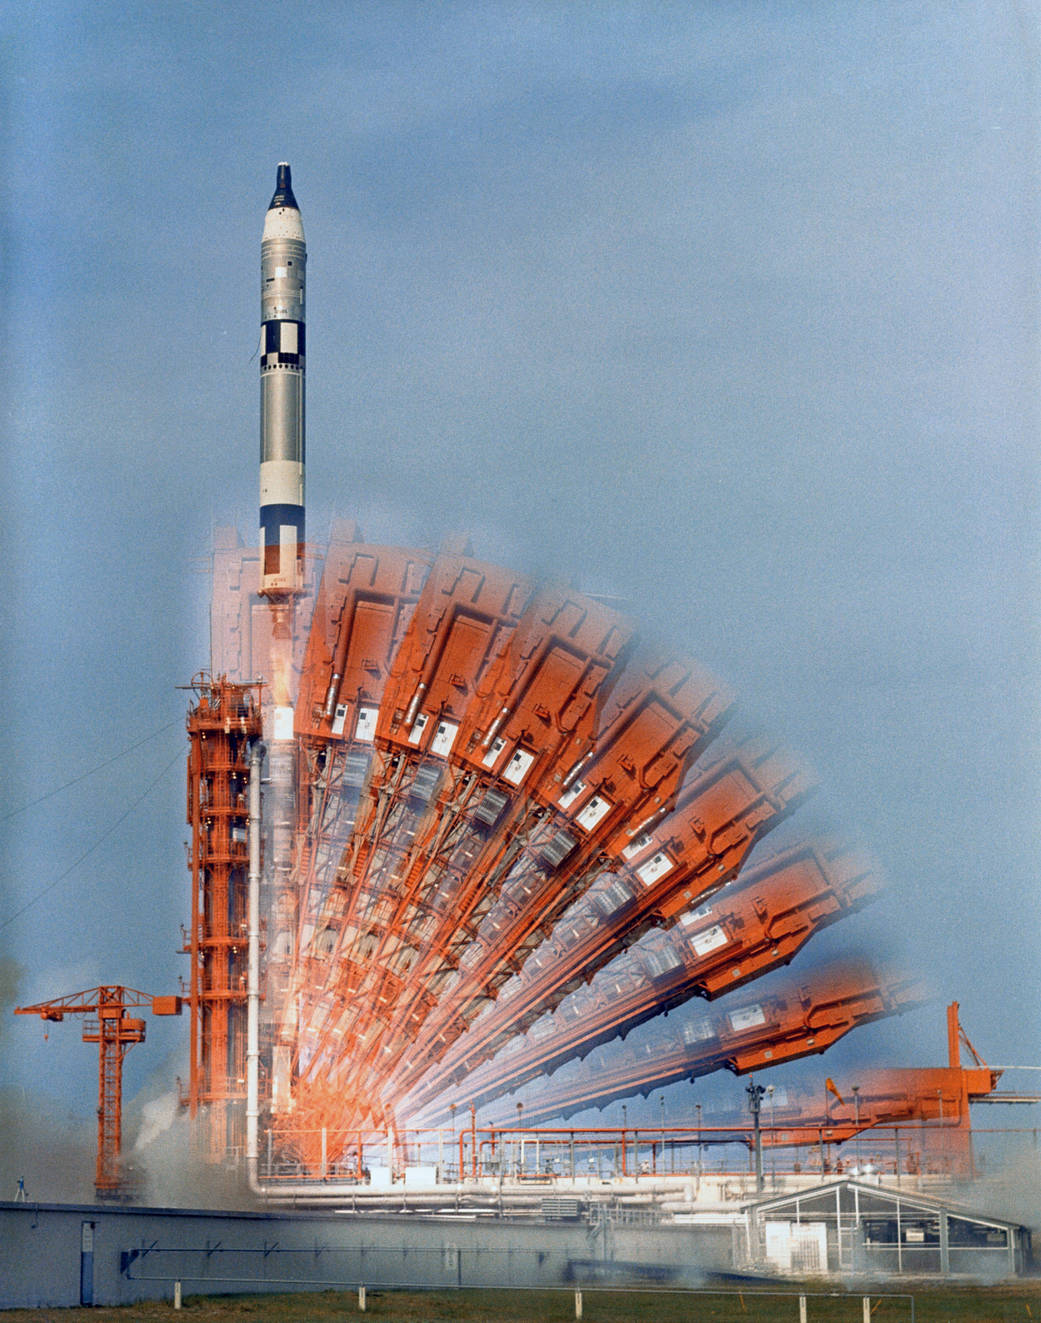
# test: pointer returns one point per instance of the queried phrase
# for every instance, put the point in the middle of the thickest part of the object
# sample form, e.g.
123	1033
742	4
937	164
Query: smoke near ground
49	1149
163	1169
1010	1184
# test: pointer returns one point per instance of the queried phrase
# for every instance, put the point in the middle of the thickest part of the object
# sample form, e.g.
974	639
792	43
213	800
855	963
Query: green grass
1019	1303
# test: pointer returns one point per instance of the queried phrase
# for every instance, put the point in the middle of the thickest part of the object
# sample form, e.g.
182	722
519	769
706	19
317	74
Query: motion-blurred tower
481	791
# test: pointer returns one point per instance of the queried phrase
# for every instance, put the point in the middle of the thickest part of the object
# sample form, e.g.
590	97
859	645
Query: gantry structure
518	834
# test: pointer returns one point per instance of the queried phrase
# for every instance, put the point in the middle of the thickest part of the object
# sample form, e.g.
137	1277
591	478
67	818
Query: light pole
856	1114
755	1098
662	1100
942	1160
697	1108
625	1143
520	1141
773	1137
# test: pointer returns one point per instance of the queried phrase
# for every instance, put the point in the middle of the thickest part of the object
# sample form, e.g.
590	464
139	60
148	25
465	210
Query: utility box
166	1005
420	1178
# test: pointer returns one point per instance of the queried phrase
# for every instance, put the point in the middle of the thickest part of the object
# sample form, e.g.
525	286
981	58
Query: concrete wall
55	1255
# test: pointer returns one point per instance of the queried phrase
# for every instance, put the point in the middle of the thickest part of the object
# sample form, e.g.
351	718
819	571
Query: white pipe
566	783
256	759
315	1196
330	698
413	707
493	729
316	1193
289	1192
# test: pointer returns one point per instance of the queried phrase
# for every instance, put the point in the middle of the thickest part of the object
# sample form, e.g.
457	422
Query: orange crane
115	1033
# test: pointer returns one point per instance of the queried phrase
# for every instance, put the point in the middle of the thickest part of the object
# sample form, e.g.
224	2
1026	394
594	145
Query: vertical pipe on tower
256	762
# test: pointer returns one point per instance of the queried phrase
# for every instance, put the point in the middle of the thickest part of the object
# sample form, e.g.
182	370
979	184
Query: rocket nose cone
283	188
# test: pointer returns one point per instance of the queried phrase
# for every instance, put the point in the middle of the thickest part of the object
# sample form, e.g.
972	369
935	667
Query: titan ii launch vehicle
283	276
283	263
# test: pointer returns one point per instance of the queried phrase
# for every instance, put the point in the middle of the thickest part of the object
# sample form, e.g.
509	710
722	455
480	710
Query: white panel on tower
493	753
444	738
366	727
657	866
634	847
571	794
747	1018
517	768
694	916
709	940
594	812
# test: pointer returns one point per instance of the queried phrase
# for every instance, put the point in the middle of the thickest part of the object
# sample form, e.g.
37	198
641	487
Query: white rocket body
283	283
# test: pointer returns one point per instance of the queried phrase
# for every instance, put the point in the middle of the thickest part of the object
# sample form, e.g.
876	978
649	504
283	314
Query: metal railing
784	1305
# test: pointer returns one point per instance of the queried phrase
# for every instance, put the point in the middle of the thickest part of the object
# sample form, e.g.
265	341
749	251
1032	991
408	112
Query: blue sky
730	311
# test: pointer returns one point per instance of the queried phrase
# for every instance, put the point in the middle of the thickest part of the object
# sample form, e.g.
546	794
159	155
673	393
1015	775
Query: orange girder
498	792
221	724
933	1100
496	690
792	1020
734	796
752	925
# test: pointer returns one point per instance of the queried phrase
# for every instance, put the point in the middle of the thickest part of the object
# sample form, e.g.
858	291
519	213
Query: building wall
139	1253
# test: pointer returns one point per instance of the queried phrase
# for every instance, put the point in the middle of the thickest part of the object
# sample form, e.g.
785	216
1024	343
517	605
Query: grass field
996	1304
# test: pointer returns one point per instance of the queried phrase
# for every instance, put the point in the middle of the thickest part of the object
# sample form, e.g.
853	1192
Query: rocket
283	264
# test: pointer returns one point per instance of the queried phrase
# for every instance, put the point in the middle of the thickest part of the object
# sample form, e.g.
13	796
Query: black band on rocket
284	344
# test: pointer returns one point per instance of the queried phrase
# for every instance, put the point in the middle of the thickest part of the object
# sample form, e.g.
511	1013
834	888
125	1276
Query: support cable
91	848
13	813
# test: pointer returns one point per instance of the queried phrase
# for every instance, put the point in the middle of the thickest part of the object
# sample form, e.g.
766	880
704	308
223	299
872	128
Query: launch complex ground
466	852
